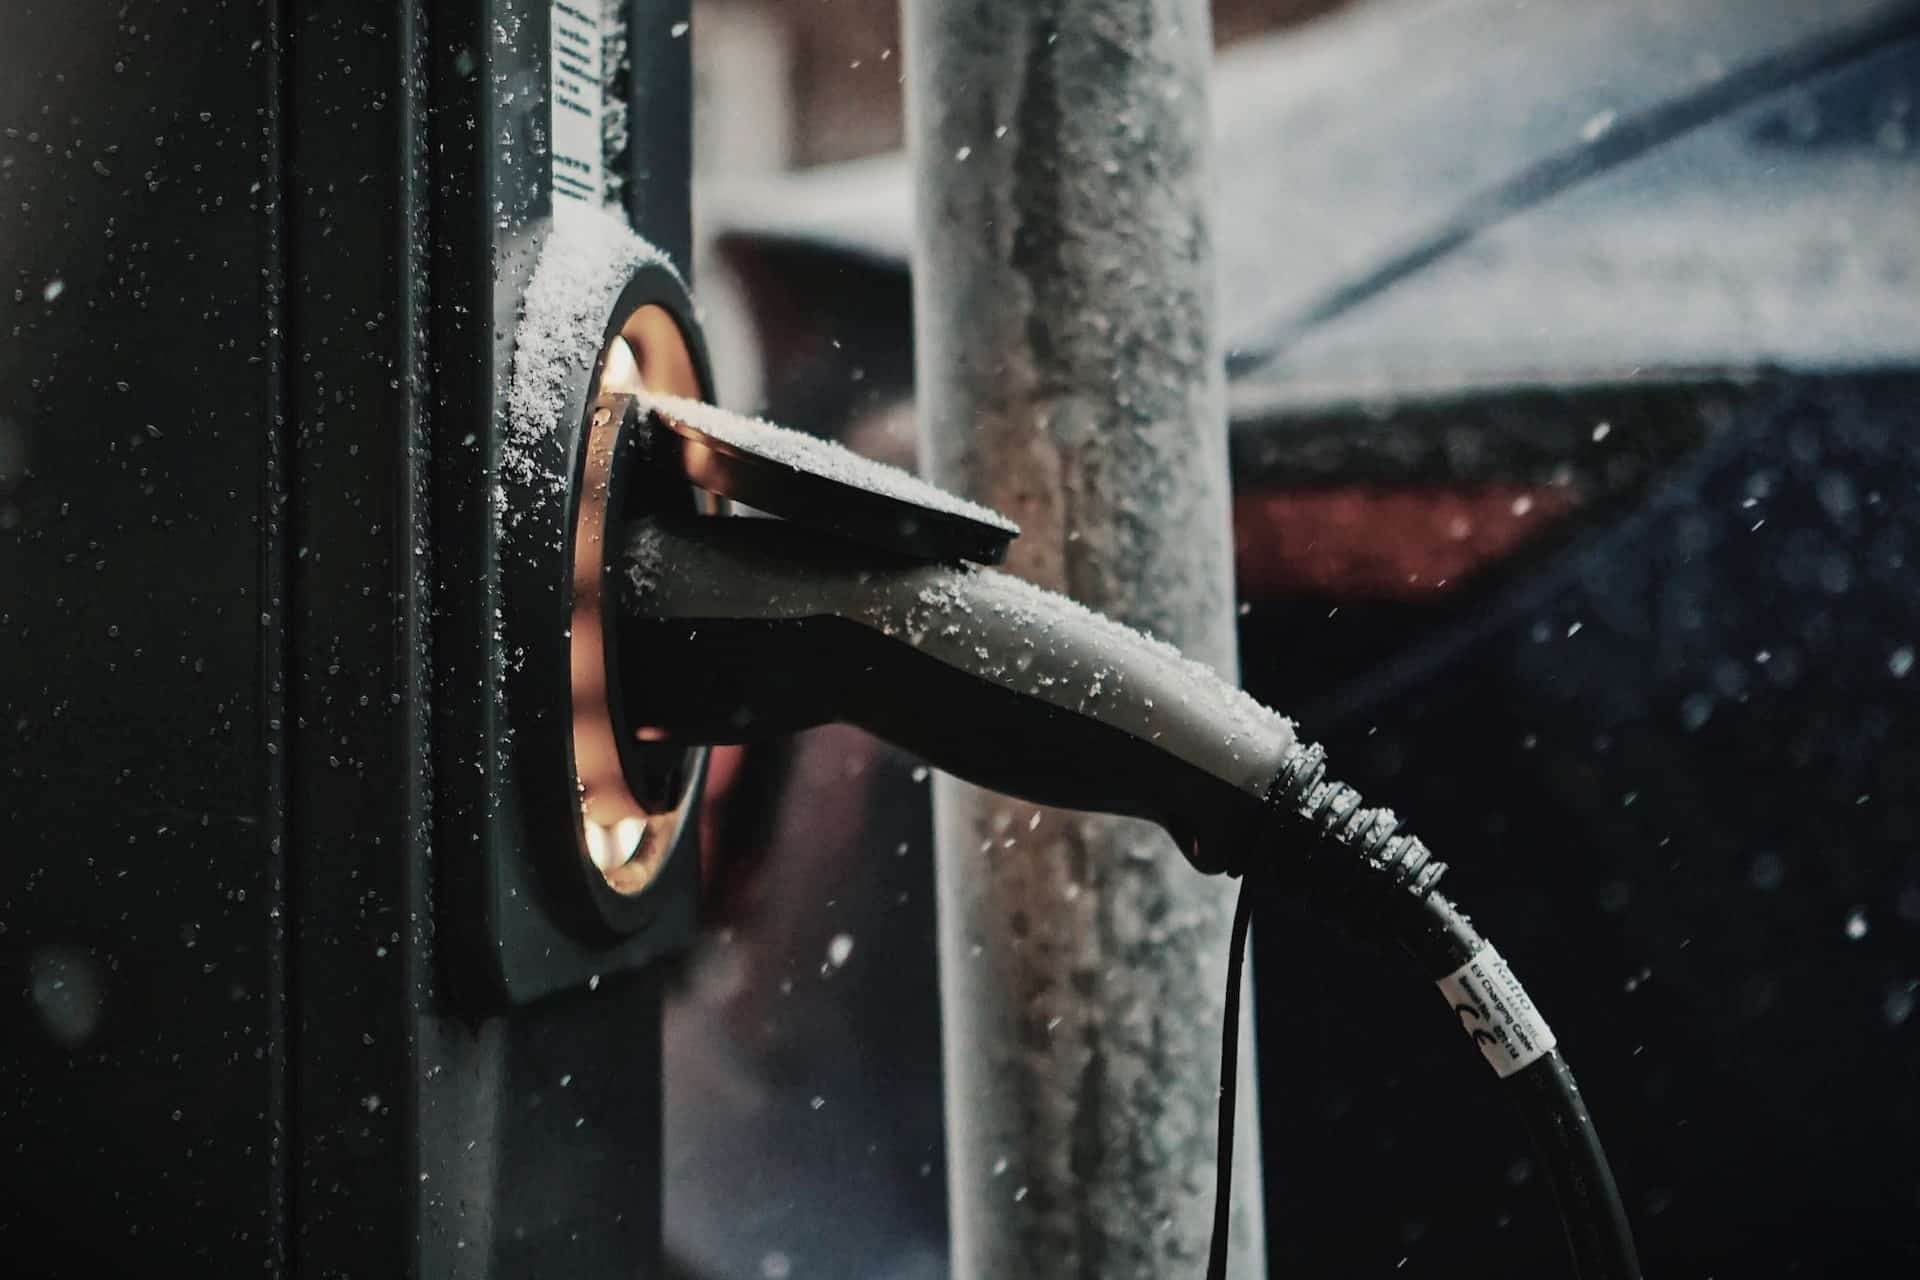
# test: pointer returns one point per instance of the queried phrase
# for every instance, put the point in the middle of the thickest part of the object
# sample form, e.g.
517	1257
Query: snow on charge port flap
803	452
585	262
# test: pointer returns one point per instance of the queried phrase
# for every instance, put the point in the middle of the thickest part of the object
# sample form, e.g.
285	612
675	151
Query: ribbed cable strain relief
1334	815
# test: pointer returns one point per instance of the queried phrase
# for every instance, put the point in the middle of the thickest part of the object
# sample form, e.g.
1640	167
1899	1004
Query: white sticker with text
1495	1010
575	106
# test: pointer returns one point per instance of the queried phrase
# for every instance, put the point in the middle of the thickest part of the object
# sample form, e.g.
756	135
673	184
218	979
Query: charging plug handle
733	630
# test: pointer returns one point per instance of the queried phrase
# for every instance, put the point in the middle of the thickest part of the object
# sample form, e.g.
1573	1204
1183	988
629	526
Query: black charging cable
1027	693
1229	1085
1383	883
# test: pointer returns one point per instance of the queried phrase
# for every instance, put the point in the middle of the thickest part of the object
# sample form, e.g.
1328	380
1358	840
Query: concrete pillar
1069	373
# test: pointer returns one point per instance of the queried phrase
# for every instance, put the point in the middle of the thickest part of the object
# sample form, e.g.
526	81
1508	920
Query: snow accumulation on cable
820	457
1041	614
961	611
587	259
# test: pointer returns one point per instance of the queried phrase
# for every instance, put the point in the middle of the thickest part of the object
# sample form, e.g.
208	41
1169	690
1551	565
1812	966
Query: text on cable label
1495	1010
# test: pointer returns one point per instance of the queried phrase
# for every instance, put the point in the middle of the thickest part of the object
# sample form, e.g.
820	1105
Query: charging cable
729	630
1382	883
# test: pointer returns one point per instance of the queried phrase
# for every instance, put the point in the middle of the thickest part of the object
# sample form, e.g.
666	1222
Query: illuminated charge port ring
637	801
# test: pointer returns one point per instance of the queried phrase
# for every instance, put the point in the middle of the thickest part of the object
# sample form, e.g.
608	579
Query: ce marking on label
1471	1013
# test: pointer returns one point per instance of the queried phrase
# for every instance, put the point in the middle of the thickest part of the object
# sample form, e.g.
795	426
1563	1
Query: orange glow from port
626	842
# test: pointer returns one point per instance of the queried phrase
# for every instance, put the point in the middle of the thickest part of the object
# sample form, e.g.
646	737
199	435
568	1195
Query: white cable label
1494	1009
574	103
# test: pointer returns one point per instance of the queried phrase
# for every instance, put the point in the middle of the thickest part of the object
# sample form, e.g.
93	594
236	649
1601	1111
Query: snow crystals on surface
803	452
586	261
1042	614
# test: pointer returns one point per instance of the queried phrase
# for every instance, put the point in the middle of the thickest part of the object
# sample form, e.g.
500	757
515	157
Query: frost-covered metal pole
1069	373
